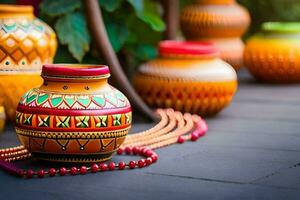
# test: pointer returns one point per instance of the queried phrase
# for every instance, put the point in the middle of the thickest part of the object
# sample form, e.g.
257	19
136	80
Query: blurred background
134	26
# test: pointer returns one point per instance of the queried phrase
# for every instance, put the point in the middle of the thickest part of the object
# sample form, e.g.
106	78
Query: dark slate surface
252	151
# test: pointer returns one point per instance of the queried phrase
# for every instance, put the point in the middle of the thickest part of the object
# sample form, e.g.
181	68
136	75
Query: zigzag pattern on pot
25	44
37	98
204	98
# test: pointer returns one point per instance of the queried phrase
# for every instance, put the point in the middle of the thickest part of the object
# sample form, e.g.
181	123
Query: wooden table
252	151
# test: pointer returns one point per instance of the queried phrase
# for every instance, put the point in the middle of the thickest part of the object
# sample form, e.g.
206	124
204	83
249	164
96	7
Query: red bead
73	171
194	136
111	166
202	125
131	164
120	151
95	168
2	157
20	173
141	163
52	172
83	170
136	150
154	158
62	171
122	165
148	161
29	173
197	131
149	153
41	173
145	150
128	150
103	167
180	140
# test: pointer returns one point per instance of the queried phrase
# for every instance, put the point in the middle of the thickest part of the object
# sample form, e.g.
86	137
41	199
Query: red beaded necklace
174	127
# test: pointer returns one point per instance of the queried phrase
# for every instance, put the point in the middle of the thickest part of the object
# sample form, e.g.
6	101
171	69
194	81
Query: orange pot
25	44
274	54
220	21
214	19
75	116
188	77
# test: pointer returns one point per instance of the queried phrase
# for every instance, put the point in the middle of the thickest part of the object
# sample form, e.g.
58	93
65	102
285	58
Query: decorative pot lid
189	48
281	27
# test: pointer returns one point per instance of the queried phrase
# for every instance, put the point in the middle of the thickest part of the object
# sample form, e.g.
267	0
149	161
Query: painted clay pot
75	116
205	19
220	21
25	44
187	76
274	54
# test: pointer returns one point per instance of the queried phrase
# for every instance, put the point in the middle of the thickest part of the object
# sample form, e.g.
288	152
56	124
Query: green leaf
8	2
144	51
154	21
140	31
110	5
147	11
117	32
63	55
59	7
138	5
72	31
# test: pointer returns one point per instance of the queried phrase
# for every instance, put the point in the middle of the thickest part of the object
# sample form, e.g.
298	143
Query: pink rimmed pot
74	116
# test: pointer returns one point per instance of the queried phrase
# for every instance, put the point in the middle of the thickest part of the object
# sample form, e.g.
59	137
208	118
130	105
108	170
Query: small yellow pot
274	54
188	77
25	44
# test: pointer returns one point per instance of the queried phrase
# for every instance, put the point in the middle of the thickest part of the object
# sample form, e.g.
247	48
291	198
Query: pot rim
189	48
9	11
217	2
74	71
281	27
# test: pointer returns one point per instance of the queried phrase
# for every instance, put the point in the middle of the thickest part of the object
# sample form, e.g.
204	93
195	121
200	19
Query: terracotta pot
221	21
274	54
25	44
75	116
187	76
